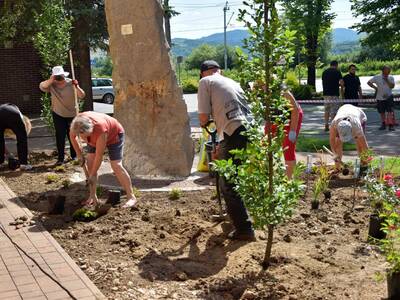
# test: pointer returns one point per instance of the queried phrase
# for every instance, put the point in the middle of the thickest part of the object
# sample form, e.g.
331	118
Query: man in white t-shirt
223	99
349	123
383	85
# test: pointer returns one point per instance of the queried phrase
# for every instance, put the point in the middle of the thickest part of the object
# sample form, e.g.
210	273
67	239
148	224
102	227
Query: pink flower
398	193
388	177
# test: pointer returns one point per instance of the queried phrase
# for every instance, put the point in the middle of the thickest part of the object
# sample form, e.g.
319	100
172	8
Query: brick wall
20	77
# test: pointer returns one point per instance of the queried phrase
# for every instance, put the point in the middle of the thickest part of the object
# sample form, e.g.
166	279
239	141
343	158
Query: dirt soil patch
170	249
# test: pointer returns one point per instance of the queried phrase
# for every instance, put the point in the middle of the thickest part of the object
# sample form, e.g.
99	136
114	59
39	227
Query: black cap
208	65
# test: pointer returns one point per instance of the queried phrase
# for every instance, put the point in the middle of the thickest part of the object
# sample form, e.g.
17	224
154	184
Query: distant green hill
344	40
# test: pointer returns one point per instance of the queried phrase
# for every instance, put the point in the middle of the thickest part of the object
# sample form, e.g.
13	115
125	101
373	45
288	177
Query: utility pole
226	8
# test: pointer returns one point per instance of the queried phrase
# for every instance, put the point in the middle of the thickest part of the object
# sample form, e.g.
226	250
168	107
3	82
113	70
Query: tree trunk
267	256
84	72
312	57
81	52
167	23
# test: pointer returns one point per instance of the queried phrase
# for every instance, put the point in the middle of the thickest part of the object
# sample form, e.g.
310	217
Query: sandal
130	203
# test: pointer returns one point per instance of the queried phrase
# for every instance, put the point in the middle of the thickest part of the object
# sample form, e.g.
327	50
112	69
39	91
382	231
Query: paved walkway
20	278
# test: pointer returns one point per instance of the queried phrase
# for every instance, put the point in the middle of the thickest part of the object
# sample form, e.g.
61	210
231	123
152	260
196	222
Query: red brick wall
20	77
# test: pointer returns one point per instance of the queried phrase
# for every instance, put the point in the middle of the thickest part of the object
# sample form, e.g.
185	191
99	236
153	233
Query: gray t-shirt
384	91
224	100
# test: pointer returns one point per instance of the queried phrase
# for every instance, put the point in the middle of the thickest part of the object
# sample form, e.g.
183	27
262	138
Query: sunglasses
59	78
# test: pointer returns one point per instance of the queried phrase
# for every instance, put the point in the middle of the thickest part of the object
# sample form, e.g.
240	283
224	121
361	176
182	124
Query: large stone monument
149	102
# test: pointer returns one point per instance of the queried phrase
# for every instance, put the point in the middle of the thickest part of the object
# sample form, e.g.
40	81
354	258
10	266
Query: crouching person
15	125
101	131
348	123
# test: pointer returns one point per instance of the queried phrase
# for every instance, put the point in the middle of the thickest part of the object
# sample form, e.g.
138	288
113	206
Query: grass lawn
313	144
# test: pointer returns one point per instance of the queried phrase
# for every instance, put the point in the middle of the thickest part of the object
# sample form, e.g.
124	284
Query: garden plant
260	180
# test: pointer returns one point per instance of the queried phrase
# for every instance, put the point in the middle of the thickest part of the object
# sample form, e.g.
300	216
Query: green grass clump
50	178
85	215
66	183
175	194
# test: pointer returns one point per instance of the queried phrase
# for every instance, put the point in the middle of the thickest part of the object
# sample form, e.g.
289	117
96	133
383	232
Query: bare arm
75	144
101	144
372	85
389	83
335	143
360	95
45	85
341	83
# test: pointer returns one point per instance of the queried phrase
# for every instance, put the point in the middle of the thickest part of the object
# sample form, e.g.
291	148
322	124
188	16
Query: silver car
103	90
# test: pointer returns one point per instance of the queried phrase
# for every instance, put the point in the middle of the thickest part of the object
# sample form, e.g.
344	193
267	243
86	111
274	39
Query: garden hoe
212	131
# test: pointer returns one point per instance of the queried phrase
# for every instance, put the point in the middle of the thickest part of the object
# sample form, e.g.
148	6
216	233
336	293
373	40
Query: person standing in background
352	85
331	81
383	85
63	107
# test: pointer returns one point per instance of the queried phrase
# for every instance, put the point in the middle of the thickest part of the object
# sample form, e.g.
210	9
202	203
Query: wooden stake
71	61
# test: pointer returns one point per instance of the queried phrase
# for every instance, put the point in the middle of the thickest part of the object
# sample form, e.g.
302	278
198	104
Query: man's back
351	86
224	99
330	82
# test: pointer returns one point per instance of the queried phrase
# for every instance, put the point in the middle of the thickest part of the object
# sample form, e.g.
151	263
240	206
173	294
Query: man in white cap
348	123
63	106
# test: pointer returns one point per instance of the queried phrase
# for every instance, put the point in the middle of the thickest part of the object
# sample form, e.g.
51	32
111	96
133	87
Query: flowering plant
391	244
382	191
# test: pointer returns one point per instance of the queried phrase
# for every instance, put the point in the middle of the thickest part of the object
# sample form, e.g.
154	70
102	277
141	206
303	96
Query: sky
205	17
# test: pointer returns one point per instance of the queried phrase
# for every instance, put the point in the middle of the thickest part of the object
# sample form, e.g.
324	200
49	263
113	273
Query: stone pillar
149	102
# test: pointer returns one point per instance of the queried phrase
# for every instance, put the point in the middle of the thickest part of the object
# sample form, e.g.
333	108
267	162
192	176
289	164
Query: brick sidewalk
20	278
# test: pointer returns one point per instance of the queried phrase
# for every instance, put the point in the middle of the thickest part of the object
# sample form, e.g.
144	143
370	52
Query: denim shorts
114	150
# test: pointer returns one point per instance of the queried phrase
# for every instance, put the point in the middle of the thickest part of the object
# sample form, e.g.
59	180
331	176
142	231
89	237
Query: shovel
212	131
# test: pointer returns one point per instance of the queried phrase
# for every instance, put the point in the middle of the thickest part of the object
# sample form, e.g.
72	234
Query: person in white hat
349	123
63	106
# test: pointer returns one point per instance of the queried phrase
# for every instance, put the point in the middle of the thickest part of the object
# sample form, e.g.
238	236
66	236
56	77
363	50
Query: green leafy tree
214	52
53	43
260	179
169	12
311	19
200	54
380	20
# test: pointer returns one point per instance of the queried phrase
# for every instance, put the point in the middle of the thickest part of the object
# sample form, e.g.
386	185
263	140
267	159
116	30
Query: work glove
292	136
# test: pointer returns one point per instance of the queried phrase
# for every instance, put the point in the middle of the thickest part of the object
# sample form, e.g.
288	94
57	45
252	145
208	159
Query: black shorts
385	105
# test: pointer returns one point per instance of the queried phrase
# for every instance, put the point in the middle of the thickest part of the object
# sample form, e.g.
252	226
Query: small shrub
190	85
303	92
59	169
84	215
291	80
175	194
66	183
136	192
50	178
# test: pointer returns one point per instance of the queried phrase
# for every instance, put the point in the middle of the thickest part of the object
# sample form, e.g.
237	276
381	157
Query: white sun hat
59	70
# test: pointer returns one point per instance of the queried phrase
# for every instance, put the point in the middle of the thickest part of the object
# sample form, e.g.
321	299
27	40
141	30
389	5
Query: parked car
103	90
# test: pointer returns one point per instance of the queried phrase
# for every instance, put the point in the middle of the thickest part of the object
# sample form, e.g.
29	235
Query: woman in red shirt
101	131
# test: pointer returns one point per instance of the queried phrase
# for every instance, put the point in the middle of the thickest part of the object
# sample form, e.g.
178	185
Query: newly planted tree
260	178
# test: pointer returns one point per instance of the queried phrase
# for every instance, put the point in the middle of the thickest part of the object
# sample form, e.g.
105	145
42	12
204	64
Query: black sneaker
383	126
391	128
242	236
59	163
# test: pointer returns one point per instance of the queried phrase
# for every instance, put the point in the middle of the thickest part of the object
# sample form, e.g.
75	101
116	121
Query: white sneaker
25	167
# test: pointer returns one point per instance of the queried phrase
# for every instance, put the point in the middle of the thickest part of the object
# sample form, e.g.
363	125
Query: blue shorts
114	150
